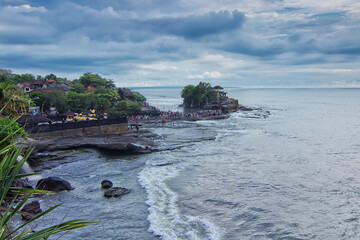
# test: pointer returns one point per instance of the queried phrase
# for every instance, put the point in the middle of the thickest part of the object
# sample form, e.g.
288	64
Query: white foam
28	170
165	216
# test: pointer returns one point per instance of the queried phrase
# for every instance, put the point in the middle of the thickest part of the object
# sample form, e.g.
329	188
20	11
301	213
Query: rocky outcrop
139	142
116	192
227	106
231	105
54	184
246	109
31	209
106	184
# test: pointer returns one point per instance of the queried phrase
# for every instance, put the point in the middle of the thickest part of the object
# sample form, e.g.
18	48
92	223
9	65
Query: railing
72	125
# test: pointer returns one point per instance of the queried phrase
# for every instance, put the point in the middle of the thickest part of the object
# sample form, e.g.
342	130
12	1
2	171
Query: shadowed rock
116	192
54	184
32	208
106	184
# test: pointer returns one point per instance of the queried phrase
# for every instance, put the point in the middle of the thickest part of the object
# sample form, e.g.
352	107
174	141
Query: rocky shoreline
48	153
163	136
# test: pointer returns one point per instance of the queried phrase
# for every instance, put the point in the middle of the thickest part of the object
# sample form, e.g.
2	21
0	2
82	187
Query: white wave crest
165	216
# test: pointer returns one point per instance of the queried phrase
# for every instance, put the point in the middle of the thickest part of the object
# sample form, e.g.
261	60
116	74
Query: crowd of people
169	115
165	116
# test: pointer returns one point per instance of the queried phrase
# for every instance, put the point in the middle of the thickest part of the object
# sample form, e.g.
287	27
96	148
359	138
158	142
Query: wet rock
106	184
116	192
246	109
138	143
32	208
135	148
54	184
21	183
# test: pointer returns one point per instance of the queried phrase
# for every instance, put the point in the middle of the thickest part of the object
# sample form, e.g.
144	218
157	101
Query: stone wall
117	128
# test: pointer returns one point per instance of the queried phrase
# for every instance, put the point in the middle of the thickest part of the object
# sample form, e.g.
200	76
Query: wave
165	217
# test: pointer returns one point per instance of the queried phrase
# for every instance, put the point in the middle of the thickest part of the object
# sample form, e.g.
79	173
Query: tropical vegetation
13	199
200	95
89	91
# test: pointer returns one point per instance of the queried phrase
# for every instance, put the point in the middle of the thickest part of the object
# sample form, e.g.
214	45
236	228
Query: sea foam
165	217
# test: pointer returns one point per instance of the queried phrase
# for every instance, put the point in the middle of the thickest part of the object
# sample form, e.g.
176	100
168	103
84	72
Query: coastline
142	141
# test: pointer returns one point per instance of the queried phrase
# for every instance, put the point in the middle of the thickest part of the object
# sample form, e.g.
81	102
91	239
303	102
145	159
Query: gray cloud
196	26
116	37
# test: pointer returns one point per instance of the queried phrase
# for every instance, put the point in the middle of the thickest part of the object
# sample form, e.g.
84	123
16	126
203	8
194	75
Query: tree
40	100
22	78
103	98
5	75
39	77
126	107
61	80
121	106
198	96
56	99
187	93
27	77
7	72
50	76
95	80
12	100
78	88
79	102
139	98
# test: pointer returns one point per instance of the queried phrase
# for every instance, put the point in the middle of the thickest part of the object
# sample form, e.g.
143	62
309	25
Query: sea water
293	175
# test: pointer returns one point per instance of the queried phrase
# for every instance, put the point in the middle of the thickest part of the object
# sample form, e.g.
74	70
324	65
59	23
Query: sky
232	43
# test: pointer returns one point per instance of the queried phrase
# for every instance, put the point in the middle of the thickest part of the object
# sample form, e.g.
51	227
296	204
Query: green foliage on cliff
139	98
126	107
198	96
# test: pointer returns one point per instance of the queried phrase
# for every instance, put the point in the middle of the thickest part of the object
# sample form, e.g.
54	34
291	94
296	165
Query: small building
91	88
30	86
51	81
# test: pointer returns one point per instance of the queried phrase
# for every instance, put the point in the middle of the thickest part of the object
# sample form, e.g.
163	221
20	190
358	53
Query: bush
10	130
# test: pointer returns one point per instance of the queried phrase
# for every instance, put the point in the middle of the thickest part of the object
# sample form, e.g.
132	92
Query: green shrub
10	130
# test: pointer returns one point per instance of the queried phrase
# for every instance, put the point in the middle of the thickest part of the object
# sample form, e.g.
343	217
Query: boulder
116	192
21	183
54	184
32	208
106	184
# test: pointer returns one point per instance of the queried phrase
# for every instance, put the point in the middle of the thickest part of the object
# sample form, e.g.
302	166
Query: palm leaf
9	171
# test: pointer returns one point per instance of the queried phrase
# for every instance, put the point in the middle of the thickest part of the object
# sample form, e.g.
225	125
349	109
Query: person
137	127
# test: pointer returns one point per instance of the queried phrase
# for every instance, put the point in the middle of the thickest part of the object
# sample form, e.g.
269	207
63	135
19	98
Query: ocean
292	175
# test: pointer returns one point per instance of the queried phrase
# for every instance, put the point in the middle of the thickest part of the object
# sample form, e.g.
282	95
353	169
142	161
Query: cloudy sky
177	42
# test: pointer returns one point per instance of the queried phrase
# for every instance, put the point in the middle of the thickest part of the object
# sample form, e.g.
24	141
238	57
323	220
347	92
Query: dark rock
244	108
21	183
106	184
140	142
32	208
116	192
53	184
135	148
